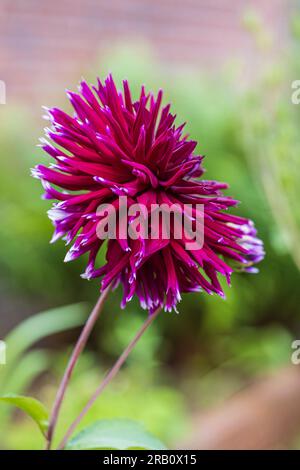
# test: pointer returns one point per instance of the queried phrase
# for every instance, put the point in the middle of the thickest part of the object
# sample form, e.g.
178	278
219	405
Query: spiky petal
114	146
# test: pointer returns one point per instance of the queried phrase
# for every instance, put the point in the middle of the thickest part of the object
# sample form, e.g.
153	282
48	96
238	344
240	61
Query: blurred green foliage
251	140
147	397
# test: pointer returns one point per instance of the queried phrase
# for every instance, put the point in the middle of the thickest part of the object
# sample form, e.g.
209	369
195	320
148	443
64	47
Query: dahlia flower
113	146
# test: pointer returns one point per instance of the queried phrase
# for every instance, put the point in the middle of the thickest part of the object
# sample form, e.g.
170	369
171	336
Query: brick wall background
46	43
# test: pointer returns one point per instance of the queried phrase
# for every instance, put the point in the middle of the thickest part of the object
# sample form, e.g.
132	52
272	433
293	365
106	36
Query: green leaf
32	407
35	328
27	368
44	324
120	434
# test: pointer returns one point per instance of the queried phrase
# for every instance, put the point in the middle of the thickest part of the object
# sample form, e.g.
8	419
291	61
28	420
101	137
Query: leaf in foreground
32	407
120	434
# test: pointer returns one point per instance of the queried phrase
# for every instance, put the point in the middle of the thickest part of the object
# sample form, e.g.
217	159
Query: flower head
113	146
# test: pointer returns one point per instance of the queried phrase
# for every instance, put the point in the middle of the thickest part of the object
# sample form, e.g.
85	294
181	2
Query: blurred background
219	374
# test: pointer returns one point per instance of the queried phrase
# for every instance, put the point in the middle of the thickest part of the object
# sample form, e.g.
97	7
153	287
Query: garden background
218	374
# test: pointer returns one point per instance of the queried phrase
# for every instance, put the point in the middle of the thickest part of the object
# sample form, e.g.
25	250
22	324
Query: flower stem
81	342
109	376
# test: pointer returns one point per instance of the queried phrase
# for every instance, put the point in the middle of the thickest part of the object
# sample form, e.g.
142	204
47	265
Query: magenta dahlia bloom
113	146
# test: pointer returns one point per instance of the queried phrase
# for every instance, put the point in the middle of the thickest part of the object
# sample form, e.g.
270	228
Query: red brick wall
44	43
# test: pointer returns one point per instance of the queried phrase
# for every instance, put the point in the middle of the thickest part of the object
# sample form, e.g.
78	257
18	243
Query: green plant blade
43	325
32	407
120	434
25	371
27	368
37	327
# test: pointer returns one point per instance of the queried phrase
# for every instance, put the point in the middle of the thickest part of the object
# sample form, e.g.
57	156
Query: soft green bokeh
201	356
